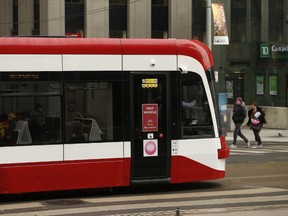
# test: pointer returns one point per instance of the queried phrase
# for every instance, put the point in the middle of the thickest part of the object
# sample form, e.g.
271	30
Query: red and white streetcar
90	113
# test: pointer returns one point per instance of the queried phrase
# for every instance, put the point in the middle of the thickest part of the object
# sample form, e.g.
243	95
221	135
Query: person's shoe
233	146
257	146
248	144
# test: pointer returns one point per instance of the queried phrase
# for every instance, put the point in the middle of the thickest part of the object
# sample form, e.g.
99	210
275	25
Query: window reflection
30	113
196	116
90	111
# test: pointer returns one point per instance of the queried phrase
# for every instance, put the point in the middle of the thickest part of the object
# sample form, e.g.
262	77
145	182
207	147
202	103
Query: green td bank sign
274	51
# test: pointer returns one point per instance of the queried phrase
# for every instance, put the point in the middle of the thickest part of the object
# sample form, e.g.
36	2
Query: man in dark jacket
36	123
238	117
256	119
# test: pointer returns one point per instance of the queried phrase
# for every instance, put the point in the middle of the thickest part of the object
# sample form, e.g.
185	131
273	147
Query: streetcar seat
77	130
96	132
21	133
52	125
91	130
85	129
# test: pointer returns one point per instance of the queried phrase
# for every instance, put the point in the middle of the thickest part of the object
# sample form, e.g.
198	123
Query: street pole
208	24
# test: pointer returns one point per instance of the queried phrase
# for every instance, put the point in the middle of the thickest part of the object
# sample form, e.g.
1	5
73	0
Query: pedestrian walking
255	122
238	117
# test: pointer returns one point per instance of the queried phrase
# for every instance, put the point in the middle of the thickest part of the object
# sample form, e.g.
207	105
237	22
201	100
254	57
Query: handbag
255	124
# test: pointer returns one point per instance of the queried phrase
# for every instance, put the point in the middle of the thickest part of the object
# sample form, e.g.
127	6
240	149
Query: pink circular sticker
150	148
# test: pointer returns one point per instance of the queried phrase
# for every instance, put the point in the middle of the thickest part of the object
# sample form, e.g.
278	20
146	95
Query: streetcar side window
93	111
196	116
30	113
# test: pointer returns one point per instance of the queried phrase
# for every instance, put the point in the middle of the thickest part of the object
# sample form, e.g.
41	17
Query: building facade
254	65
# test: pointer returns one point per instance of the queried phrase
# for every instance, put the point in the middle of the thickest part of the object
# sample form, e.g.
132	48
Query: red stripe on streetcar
69	175
224	152
184	169
108	46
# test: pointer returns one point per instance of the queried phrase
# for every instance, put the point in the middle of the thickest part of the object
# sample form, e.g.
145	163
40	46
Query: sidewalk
267	135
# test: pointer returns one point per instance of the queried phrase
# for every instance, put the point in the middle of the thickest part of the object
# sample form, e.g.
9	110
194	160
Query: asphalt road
256	183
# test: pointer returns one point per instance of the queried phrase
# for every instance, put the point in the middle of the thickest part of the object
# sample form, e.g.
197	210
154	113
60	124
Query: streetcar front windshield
196	115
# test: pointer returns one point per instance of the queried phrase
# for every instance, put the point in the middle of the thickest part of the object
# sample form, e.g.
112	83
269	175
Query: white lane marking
260	190
194	195
185	195
251	177
195	212
20	205
264	150
126	207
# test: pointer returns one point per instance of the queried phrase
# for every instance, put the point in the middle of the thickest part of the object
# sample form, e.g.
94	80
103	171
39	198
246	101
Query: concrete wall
96	24
139	19
180	18
26	17
6	17
276	117
52	17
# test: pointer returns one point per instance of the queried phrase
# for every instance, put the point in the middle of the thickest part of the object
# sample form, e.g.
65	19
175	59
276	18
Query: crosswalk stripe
21	205
185	195
158	201
193	212
190	203
254	177
161	196
281	146
264	150
248	151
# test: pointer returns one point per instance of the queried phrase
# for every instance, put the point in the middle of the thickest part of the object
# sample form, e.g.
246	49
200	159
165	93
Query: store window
117	18
159	18
15	29
74	17
255	20
36	28
238	21
199	19
276	21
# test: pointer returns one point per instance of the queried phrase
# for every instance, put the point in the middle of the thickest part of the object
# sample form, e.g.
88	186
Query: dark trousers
237	132
257	136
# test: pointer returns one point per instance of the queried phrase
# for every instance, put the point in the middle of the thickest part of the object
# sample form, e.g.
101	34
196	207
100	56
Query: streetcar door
150	135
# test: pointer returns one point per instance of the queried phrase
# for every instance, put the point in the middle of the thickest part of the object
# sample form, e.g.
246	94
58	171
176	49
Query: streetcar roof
111	46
